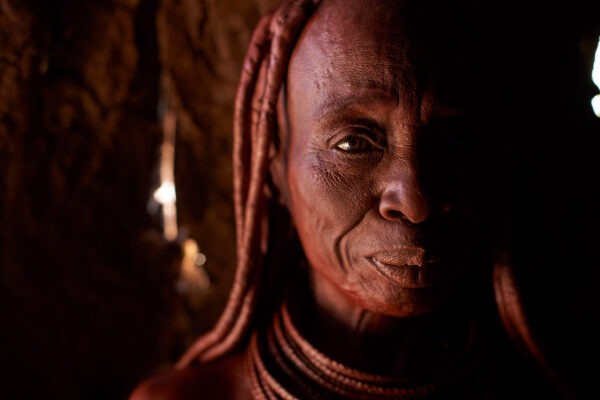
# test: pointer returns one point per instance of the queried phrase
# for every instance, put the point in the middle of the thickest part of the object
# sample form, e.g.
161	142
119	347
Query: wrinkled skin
380	165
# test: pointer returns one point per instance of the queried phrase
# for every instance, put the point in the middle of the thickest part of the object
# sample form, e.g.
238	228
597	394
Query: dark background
88	304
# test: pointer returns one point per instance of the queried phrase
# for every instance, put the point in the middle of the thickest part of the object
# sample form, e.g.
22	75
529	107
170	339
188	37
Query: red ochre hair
255	123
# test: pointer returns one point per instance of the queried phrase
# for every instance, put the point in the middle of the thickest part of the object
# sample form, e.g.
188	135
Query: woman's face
381	160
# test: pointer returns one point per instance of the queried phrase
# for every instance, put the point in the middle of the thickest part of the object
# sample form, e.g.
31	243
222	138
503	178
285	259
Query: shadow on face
386	159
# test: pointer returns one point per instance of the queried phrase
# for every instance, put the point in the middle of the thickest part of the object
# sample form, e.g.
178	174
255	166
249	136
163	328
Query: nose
403	196
404	201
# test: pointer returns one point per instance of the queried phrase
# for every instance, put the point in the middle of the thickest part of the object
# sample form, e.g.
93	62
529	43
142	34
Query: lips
408	267
407	256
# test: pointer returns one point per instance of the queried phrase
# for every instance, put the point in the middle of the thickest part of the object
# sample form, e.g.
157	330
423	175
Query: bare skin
386	237
222	379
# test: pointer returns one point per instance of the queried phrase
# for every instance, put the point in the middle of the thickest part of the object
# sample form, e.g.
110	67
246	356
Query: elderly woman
367	201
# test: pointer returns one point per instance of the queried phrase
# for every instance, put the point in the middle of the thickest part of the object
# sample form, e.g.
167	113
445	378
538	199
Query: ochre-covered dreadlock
254	127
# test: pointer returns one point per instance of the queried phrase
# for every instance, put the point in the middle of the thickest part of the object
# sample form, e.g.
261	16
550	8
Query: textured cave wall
201	52
88	304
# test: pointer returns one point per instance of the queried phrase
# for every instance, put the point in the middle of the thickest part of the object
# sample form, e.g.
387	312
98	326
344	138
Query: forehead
352	42
388	46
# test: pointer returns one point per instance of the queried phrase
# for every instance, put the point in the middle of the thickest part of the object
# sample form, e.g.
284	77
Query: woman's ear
276	184
278	154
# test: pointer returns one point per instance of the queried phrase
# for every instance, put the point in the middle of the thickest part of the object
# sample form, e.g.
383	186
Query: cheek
320	190
325	205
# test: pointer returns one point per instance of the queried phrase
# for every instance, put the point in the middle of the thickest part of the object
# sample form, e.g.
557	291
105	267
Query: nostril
393	214
403	202
409	213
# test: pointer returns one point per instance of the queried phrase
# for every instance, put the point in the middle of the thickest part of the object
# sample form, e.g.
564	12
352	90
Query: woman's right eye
356	143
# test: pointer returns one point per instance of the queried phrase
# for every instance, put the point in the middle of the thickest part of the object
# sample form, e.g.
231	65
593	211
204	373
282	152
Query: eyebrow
333	108
353	109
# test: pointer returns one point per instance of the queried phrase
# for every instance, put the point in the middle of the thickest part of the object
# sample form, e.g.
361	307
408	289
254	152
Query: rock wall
88	303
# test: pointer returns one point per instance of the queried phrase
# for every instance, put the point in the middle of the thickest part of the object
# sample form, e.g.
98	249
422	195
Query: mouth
409	268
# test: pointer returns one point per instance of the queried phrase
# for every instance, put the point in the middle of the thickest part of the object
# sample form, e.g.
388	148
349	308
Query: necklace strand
284	365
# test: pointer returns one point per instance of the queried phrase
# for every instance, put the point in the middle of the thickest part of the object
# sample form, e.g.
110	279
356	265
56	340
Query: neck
378	343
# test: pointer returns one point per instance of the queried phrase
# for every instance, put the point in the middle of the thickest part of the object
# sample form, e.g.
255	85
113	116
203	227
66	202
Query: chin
405	303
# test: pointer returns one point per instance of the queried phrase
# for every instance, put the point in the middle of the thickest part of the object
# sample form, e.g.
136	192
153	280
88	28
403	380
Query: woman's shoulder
224	378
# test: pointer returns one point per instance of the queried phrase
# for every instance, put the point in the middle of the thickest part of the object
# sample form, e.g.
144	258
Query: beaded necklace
282	364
